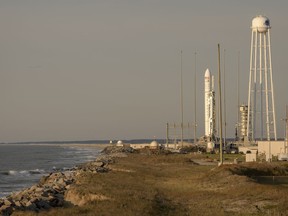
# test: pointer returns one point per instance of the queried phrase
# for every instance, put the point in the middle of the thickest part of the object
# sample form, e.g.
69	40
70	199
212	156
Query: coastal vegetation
151	182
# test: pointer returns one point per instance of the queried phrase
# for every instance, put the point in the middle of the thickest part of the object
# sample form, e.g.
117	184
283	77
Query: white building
271	148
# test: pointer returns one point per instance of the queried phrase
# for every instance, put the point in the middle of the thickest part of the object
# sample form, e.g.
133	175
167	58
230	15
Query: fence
174	132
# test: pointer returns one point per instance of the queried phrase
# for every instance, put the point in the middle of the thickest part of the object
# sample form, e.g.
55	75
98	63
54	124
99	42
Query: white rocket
209	105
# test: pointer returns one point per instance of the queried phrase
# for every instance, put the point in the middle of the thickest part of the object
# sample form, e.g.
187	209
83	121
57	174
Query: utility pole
238	94
220	107
286	130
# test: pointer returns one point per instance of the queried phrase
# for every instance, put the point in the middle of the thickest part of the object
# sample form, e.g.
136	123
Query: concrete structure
210	114
251	157
261	95
248	149
140	146
271	148
153	145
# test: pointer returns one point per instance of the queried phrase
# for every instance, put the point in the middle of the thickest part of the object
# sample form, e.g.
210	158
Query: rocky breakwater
52	189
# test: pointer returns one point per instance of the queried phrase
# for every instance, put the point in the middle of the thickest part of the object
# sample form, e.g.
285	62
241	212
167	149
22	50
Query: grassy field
174	184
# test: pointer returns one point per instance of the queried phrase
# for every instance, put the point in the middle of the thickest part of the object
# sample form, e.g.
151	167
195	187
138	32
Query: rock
27	203
42	205
98	164
57	189
34	199
18	204
38	189
6	210
118	149
56	202
102	170
43	180
61	181
32	207
50	190
7	202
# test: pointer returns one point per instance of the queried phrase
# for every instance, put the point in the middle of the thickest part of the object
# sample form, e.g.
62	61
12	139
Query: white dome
119	143
260	24
154	144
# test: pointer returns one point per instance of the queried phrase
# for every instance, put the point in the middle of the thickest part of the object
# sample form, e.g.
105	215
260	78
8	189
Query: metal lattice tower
261	109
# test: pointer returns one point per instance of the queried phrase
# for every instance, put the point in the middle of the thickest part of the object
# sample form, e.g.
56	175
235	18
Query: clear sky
110	69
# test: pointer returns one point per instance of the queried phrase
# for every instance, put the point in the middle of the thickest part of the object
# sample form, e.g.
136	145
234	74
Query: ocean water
22	165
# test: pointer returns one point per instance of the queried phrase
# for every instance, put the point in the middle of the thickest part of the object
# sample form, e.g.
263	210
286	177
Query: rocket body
209	104
207	85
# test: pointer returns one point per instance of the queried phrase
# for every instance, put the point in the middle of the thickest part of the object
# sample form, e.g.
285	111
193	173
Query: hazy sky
110	69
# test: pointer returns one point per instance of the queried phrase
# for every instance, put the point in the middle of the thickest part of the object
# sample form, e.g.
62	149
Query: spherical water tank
261	24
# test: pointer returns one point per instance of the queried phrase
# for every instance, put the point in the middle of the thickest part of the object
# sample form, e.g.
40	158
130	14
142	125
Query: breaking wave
22	172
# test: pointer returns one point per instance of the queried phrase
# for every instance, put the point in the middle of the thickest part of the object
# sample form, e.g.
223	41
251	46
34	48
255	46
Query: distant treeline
133	141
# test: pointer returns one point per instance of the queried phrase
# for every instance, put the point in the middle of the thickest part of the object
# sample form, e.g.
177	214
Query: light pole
220	107
181	103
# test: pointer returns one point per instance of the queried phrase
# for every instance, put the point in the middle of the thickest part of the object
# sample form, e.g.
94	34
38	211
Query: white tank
154	145
261	24
261	117
119	143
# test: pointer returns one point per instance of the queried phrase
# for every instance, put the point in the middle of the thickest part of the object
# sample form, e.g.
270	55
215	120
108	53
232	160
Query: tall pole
167	134
224	74
195	107
238	94
181	103
286	130
220	107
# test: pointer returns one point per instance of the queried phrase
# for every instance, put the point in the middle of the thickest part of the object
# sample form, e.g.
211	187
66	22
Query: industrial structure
256	126
210	114
261	121
243	109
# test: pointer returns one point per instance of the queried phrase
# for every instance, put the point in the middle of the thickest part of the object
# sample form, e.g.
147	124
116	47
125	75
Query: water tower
261	121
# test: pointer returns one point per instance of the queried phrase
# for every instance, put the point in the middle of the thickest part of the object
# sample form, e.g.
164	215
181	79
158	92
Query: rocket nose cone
207	73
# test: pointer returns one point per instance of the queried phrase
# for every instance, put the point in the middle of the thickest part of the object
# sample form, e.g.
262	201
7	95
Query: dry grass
173	185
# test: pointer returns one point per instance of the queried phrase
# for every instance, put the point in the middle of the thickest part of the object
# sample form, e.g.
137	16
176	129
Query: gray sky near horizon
110	69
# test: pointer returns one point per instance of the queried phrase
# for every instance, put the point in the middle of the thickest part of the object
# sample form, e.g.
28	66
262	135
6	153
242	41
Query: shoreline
50	190
58	144
23	165
123	181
